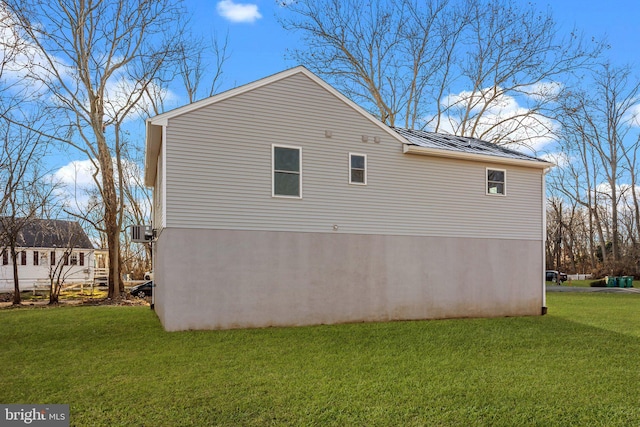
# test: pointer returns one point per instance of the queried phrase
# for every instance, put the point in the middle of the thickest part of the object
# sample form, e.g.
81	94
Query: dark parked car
142	290
553	275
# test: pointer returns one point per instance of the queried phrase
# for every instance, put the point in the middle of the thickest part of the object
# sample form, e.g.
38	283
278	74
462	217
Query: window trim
351	169
273	171
504	183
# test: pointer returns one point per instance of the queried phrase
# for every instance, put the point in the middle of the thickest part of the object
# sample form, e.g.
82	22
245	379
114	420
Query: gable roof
53	233
462	146
155	124
414	142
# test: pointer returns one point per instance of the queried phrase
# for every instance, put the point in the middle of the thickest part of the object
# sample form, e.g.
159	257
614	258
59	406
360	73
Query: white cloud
633	115
478	100
75	184
18	56
120	91
500	117
559	158
543	90
238	12
77	172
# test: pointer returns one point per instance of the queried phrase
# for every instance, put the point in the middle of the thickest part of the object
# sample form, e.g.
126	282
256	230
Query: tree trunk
109	197
615	253
113	231
16	282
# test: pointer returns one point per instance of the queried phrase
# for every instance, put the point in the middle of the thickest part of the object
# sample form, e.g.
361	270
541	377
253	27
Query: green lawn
578	365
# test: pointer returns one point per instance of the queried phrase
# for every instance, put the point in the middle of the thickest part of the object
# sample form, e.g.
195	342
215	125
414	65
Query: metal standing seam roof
461	144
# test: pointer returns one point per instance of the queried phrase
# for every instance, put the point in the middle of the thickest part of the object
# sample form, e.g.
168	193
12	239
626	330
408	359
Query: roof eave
152	150
435	152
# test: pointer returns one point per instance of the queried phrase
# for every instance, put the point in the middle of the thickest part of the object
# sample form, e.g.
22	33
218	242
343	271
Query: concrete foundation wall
221	279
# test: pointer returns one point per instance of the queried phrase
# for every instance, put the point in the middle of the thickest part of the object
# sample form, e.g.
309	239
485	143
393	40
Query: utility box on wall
141	233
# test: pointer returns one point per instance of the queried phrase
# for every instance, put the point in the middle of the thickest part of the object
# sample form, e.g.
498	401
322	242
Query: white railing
100	272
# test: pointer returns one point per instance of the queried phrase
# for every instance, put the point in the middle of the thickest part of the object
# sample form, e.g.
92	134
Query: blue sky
258	43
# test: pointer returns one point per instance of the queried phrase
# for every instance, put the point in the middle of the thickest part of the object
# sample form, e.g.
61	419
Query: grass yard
578	365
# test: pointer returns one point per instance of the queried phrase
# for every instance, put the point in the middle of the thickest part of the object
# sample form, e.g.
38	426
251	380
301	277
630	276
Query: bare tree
383	56
459	66
596	124
199	61
25	192
98	59
69	235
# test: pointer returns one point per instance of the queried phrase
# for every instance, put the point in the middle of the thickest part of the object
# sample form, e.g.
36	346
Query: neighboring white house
43	245
282	202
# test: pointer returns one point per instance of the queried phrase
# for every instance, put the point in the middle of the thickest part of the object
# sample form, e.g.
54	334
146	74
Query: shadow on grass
116	366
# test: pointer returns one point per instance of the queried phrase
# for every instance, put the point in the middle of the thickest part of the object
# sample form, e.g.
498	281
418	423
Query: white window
357	169
287	171
496	181
74	258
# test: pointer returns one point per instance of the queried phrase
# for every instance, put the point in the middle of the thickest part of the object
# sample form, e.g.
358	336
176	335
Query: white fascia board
435	152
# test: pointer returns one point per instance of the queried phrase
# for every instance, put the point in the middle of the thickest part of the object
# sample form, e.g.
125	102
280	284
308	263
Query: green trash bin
611	281
628	281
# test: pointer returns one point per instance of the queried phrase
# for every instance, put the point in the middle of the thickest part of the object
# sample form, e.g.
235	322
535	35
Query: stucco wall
219	279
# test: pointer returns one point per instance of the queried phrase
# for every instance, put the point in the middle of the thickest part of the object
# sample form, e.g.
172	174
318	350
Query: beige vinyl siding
218	169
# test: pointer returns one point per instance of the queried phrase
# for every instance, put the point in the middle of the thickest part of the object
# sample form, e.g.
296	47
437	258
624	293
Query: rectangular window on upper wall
74	258
496	181
23	258
36	258
53	258
357	169
81	258
287	171
5	258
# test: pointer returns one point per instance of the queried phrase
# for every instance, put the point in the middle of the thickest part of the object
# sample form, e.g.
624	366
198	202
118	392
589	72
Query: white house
282	202
43	245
